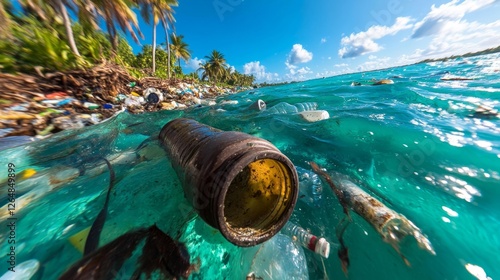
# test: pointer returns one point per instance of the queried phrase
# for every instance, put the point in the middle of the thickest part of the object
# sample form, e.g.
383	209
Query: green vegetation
216	70
42	36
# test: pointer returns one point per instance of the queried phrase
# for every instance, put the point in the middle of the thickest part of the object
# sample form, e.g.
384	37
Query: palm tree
166	27
113	12
217	65
60	8
118	12
42	10
205	67
5	20
179	48
161	10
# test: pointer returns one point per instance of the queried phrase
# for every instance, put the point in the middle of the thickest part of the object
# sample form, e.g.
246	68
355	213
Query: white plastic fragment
229	102
315	116
208	102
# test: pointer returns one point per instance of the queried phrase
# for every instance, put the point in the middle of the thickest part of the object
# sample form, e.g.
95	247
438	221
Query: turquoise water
416	145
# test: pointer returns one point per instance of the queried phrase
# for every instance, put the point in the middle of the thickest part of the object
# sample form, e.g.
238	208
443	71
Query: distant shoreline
483	52
470	54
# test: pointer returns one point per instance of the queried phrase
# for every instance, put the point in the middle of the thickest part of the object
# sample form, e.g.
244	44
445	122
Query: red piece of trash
56	95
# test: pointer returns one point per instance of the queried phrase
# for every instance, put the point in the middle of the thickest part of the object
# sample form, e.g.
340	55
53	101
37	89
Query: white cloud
299	55
375	63
231	68
324	74
464	37
323	40
304	70
293	69
259	71
341	65
290	66
194	63
364	42
451	34
443	17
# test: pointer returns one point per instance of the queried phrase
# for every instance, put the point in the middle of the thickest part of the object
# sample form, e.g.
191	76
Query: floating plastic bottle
311	188
282	108
277	259
239	184
286	108
318	245
306	106
258	105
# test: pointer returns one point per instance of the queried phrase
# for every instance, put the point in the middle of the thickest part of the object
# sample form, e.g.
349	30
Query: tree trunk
154	48
165	26
67	26
113	39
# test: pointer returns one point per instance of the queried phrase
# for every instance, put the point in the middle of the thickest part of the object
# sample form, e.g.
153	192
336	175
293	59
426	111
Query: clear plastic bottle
318	245
278	258
310	187
282	108
306	106
286	108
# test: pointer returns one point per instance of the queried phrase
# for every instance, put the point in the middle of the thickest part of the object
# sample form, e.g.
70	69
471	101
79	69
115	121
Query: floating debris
392	226
315	116
383	82
160	253
31	104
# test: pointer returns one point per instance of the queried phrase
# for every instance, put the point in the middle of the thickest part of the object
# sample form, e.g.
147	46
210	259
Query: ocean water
418	145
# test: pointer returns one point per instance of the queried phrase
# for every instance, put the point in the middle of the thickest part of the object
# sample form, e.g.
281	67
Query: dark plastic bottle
239	184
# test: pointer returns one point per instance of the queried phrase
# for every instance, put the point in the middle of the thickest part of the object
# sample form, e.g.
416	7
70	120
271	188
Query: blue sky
296	40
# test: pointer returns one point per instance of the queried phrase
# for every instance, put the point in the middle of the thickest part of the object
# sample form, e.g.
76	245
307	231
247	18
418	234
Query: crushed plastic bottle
318	245
310	187
267	263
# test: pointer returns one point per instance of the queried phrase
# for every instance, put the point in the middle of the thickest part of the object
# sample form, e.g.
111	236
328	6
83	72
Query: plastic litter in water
407	160
311	188
24	270
279	258
307	240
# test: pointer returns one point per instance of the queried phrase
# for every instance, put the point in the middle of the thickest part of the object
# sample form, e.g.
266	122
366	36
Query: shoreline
39	106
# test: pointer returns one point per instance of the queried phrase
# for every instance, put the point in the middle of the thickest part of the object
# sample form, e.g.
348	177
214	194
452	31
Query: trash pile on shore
48	103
